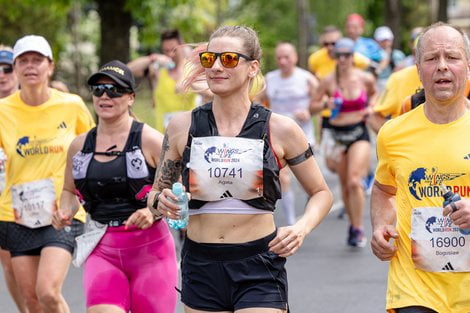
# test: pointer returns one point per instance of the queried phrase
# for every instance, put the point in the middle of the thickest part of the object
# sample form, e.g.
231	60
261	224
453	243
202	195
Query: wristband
155	200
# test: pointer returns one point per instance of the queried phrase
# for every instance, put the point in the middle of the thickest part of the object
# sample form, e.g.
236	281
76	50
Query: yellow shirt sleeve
388	102
85	120
384	173
361	61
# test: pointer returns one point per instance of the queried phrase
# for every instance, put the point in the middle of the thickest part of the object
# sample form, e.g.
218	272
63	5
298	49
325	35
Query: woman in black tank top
111	169
228	154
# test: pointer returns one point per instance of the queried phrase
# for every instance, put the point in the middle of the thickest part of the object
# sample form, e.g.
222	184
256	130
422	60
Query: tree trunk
302	17
115	30
74	20
393	19
442	11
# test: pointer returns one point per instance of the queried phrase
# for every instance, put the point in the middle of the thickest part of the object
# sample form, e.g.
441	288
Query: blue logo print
208	153
416	177
430	222
425	182
20	145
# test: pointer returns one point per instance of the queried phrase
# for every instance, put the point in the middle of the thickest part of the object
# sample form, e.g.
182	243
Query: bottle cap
444	190
177	189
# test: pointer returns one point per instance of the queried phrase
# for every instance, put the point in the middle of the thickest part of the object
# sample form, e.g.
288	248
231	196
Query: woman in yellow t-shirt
37	125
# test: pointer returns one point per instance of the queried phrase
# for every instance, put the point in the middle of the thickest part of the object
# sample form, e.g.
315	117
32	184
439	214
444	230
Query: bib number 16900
223	172
447	242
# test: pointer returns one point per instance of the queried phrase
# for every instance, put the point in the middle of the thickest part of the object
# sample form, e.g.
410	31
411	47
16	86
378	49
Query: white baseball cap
32	43
383	33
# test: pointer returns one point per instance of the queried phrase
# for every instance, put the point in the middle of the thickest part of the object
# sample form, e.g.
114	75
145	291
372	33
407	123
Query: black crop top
256	126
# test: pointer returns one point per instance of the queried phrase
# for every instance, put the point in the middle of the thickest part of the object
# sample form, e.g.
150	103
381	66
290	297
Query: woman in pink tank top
349	91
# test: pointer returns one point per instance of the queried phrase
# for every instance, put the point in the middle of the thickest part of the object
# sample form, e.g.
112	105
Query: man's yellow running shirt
416	156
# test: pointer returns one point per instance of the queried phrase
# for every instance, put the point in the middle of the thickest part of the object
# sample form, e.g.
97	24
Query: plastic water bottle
169	65
338	102
450	197
182	202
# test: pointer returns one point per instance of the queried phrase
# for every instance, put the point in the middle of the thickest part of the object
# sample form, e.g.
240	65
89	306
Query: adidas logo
448	267
62	125
467	157
226	194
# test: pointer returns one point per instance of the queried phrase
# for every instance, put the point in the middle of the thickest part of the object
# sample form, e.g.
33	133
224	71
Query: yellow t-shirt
416	156
35	140
400	85
167	101
320	63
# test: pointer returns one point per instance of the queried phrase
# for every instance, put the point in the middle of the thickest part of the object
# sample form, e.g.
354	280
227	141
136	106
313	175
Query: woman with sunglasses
229	153
8	85
112	167
350	91
8	80
38	124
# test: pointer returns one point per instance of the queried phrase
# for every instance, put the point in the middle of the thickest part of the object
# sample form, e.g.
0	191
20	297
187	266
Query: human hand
167	204
141	218
287	241
380	243
62	218
460	216
302	115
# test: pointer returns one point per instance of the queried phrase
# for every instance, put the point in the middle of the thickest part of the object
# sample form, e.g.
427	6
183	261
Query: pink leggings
133	269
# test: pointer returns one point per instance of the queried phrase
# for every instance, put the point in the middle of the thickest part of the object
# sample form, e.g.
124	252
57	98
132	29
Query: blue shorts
231	277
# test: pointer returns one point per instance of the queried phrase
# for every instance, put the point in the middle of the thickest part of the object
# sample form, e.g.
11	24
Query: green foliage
274	20
414	14
40	17
325	15
193	18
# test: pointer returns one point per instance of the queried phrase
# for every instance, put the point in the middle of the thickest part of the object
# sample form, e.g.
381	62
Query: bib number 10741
225	172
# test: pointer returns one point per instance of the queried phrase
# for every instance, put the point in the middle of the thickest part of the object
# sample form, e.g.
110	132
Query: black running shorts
231	277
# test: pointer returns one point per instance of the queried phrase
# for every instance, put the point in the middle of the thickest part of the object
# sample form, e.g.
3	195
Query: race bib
87	242
437	245
34	202
226	167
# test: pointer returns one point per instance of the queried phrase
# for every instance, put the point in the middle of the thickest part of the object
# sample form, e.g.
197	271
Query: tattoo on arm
168	171
165	144
165	148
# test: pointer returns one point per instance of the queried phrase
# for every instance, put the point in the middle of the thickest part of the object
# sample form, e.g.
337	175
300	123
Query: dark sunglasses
111	90
228	59
343	54
327	43
6	69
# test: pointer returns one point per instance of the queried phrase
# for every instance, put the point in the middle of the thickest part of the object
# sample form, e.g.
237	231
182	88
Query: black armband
301	157
155	200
